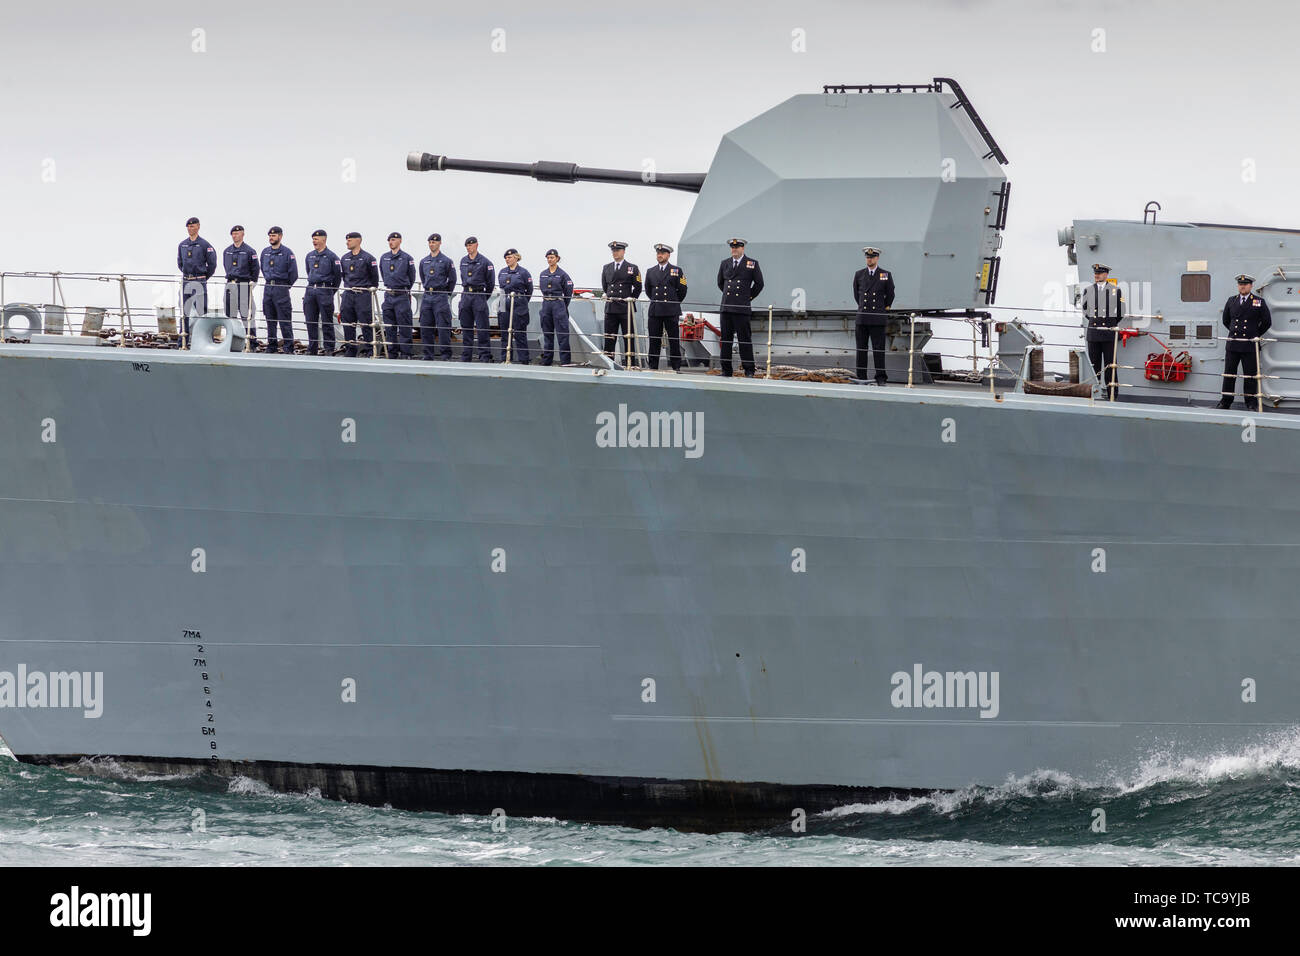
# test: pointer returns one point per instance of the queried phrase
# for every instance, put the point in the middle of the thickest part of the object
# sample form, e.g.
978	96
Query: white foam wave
248	786
1278	752
108	767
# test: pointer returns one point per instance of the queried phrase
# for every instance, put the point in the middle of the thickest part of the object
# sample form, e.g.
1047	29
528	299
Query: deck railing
143	310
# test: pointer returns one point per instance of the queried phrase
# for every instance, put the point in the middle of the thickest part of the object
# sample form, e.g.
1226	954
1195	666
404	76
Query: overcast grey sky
138	131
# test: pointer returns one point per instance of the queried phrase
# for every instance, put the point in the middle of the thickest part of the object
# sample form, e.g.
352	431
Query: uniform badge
884	275
1255	303
749	264
672	272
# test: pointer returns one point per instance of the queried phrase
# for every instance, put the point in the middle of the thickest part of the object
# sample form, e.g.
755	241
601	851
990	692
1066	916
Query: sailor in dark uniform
740	280
197	261
240	260
323	276
356	311
516	284
557	291
397	270
1103	307
477	280
621	281
873	293
1246	317
438	276
665	287
280	270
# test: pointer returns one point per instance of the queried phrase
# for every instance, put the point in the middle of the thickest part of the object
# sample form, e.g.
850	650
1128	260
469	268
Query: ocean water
1231	808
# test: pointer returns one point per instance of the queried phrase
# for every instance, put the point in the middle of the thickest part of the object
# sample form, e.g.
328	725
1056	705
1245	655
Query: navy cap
319	232
353	235
1245	278
1101	267
394	235
512	251
661	247
235	229
471	239
435	237
871	250
553	252
735	242
618	245
192	221
275	231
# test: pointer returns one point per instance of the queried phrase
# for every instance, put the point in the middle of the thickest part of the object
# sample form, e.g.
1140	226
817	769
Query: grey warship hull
444	587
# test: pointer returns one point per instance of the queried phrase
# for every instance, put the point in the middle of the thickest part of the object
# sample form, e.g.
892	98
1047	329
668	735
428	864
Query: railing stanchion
507	332
769	342
1112	370
992	365
629	339
66	328
122	310
1259	380
911	347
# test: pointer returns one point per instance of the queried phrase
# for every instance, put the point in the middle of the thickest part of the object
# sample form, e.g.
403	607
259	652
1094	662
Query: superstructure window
1196	287
1205	332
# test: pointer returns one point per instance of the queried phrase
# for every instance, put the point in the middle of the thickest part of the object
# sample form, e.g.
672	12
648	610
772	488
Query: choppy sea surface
1238	808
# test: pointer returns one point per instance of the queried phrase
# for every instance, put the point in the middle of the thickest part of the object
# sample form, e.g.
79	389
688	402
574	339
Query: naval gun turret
910	168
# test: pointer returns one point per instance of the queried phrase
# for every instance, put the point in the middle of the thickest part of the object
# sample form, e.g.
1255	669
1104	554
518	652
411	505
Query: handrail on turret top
936	86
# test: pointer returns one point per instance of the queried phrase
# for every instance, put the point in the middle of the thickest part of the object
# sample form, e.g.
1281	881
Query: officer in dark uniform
1103	307
477	280
240	260
438	276
397	270
557	292
360	278
197	262
665	287
1247	318
621	281
512	313
324	273
740	280
280	270
873	293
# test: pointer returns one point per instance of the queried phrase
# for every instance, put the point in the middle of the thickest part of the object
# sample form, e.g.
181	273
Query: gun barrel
552	172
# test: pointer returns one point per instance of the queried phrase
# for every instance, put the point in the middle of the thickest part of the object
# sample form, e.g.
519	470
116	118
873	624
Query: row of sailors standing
740	279
358	273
